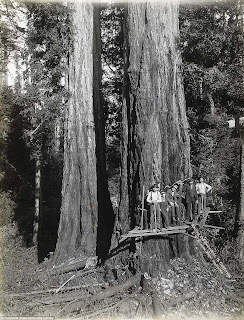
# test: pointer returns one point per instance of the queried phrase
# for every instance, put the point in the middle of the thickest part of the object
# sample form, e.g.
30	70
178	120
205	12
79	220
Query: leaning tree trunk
156	145
78	221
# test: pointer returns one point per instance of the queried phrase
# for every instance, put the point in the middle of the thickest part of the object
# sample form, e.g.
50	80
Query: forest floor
186	290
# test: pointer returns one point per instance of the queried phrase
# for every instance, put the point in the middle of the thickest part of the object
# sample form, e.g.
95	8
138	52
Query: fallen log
104	294
23	294
111	291
59	299
113	306
68	267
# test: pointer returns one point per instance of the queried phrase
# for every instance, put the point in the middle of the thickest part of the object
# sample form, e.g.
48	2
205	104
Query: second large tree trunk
156	145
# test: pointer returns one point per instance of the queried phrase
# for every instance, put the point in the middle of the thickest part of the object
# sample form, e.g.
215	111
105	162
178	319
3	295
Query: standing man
165	208
154	199
172	198
202	190
191	199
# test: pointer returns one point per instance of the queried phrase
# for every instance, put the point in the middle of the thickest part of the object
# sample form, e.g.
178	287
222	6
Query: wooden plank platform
136	233
148	233
218	211
161	229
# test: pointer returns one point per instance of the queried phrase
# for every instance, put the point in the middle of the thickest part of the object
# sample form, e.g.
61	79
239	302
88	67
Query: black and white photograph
122	159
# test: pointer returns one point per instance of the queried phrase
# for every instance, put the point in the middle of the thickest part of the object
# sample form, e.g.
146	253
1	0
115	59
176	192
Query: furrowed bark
155	144
78	222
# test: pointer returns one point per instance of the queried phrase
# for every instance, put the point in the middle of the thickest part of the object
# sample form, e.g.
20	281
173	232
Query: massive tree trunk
155	144
78	221
86	221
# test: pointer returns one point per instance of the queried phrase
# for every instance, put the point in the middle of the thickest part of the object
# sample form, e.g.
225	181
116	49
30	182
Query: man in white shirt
154	199
202	190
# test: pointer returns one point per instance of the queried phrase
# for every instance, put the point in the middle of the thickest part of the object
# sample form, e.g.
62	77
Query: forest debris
105	294
213	227
88	262
182	298
203	243
156	304
23	294
72	277
111	291
233	297
113	306
77	274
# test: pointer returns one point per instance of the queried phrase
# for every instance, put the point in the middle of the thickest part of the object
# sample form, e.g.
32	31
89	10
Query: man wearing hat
191	199
154	199
172	198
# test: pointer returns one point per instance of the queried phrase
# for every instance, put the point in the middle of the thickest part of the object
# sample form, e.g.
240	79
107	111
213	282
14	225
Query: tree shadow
50	207
19	171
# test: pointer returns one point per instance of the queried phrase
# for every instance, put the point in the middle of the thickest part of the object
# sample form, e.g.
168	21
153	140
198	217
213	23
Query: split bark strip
72	277
78	274
69	267
58	299
23	294
104	294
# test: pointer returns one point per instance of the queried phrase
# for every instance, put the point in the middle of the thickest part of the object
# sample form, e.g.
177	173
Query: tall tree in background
47	44
156	145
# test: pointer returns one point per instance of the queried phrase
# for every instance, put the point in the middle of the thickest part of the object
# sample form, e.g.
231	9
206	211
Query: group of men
181	202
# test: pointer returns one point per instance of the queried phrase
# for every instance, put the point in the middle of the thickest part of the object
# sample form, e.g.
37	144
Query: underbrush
20	270
7	206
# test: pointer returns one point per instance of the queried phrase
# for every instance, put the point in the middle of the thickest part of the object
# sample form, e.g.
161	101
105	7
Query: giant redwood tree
155	144
85	197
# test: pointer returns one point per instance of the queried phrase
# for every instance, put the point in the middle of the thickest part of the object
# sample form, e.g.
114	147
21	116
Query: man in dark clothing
172	198
191	199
